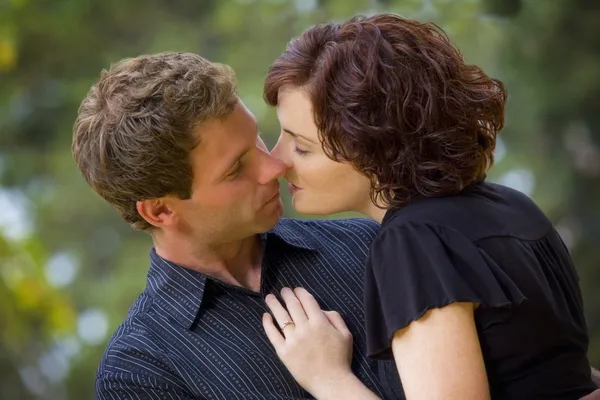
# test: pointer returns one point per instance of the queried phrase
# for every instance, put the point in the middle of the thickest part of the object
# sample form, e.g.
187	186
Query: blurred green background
70	268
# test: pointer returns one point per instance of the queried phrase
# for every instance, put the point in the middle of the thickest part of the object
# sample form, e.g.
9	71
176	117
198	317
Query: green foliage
33	314
51	52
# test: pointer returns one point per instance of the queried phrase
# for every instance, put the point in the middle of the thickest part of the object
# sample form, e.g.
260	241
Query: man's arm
125	386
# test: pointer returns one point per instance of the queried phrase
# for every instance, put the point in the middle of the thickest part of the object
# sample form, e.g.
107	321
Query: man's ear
157	212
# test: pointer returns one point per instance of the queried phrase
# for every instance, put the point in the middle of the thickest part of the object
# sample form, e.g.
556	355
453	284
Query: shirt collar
294	233
179	291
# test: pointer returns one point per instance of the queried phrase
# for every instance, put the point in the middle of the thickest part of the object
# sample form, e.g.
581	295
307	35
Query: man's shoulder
332	230
134	340
136	361
334	225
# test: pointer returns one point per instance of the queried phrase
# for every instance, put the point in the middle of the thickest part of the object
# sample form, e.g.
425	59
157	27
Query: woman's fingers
338	322
301	307
294	306
318	350
309	303
273	334
281	315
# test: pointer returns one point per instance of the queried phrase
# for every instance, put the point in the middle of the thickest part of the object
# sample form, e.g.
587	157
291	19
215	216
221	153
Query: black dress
490	245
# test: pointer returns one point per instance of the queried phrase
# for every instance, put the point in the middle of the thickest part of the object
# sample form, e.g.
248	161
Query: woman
468	287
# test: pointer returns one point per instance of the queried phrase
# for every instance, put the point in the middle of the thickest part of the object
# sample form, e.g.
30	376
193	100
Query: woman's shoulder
483	211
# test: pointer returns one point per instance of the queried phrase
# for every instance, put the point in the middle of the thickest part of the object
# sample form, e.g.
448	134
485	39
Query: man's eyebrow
294	134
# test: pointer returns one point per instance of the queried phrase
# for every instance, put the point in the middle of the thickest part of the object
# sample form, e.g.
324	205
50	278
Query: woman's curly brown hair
394	97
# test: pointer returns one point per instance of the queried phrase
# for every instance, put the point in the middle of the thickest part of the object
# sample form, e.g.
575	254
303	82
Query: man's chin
270	217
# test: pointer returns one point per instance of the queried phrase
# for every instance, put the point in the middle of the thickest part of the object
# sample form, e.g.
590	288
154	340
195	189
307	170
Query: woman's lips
293	188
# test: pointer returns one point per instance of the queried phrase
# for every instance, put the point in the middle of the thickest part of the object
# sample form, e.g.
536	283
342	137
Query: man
166	141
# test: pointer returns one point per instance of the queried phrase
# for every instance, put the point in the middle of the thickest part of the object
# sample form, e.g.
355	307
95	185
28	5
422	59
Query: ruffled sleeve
414	267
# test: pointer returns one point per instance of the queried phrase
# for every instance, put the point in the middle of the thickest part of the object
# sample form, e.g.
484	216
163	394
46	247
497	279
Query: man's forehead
223	142
217	149
226	133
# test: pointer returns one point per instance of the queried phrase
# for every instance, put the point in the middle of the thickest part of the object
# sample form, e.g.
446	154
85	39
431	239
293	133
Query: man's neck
236	263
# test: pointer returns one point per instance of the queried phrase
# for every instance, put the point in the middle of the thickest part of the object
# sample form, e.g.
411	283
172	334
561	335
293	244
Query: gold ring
286	323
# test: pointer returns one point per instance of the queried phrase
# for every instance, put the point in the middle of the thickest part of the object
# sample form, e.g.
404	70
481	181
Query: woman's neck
374	212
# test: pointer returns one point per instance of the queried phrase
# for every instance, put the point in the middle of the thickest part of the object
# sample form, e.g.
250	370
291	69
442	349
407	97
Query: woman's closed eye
300	151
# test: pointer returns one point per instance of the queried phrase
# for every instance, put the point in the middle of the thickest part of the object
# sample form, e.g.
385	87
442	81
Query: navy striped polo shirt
189	336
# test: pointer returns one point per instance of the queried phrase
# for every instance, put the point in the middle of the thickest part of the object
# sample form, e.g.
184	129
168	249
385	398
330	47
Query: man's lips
274	196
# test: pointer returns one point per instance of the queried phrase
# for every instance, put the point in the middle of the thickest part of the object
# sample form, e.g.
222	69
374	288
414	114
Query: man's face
235	192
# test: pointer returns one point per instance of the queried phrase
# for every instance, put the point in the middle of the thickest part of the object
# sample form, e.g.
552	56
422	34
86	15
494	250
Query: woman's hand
316	345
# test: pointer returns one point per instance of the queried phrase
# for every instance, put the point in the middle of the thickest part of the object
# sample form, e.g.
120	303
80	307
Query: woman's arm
439	356
595	376
315	346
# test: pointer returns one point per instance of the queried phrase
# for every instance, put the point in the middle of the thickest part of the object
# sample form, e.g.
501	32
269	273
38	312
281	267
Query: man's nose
274	168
